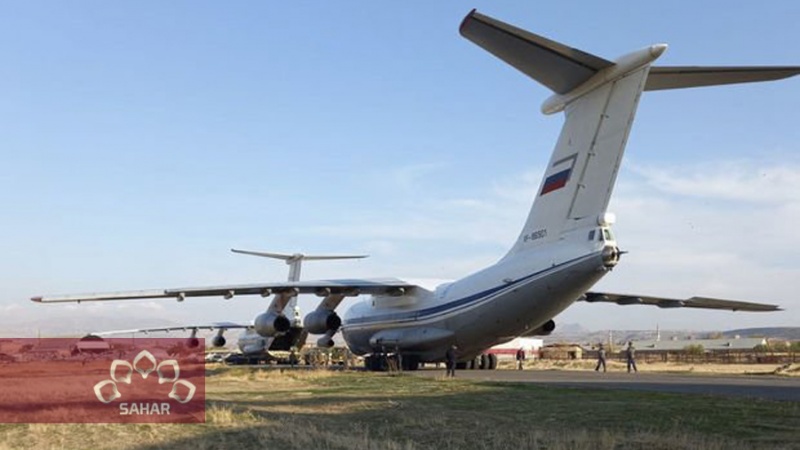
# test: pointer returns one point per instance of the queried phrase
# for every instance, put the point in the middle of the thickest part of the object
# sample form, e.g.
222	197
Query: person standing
601	358
450	360
520	358
630	356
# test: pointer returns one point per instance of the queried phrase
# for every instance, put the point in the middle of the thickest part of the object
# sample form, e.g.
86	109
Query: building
508	350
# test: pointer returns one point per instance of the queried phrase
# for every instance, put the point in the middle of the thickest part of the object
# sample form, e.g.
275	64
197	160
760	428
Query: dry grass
253	408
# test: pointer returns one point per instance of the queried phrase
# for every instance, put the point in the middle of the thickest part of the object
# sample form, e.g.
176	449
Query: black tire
484	364
375	363
410	363
492	361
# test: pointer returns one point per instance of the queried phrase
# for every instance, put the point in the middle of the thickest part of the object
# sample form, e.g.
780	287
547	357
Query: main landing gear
391	362
485	361
394	362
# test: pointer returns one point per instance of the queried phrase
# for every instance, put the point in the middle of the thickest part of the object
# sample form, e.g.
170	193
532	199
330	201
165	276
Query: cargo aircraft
566	244
253	347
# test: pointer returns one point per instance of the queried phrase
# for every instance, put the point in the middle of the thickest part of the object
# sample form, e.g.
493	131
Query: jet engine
325	342
218	341
543	330
270	324
321	321
192	342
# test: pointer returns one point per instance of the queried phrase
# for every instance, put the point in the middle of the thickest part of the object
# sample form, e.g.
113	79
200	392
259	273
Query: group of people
451	357
630	358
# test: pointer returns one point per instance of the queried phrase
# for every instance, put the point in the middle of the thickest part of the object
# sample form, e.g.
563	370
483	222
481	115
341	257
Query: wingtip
36	299
465	20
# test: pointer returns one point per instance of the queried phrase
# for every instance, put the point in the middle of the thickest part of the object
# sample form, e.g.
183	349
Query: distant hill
63	323
788	333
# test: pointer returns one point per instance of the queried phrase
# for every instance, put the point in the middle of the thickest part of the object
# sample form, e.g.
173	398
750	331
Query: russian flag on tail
559	179
556	181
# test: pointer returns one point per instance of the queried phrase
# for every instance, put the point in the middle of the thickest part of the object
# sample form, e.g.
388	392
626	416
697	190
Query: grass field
252	408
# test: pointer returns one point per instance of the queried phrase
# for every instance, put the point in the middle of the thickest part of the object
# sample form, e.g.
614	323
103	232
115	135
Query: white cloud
10	309
408	177
741	180
142	306
720	230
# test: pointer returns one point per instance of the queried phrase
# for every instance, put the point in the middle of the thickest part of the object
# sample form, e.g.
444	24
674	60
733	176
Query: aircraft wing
693	302
207	326
349	287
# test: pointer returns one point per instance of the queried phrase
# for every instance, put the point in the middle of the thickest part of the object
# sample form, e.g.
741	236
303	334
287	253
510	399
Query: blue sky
142	140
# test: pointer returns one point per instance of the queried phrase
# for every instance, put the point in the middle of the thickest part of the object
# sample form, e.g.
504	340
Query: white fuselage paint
515	296
251	342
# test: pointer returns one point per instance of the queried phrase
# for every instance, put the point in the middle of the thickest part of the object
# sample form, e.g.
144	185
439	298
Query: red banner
93	380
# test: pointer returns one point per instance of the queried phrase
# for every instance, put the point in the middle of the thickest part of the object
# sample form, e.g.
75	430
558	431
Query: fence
711	357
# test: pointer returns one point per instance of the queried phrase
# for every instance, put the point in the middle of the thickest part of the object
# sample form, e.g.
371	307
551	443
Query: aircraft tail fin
289	257
599	99
295	260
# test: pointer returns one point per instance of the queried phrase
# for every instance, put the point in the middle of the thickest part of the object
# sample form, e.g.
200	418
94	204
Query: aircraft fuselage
510	298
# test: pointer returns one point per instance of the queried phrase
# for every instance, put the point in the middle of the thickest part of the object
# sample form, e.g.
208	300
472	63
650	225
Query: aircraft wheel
484	363
461	366
492	361
375	363
410	363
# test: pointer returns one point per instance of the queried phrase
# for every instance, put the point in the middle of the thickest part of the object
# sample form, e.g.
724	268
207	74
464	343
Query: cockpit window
591	235
607	234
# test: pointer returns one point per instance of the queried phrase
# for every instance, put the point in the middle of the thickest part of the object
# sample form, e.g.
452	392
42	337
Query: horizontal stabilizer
297	256
557	66
694	302
678	77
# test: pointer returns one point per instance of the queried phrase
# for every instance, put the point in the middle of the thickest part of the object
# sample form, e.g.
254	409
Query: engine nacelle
321	321
192	342
218	341
270	324
543	330
325	342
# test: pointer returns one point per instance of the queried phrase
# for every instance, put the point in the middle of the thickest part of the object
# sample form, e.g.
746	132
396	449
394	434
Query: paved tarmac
759	386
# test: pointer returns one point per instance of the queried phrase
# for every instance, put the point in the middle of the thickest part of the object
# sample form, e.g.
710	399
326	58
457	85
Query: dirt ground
792	370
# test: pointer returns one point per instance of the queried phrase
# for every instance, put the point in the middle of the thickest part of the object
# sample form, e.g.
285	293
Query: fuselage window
591	235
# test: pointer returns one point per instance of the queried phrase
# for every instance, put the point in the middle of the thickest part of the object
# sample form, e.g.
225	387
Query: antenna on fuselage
295	263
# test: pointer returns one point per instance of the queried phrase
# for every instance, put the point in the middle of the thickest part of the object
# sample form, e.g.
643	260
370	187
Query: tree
694	350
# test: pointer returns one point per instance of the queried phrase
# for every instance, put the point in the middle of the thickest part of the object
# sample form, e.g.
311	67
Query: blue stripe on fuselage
463	302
